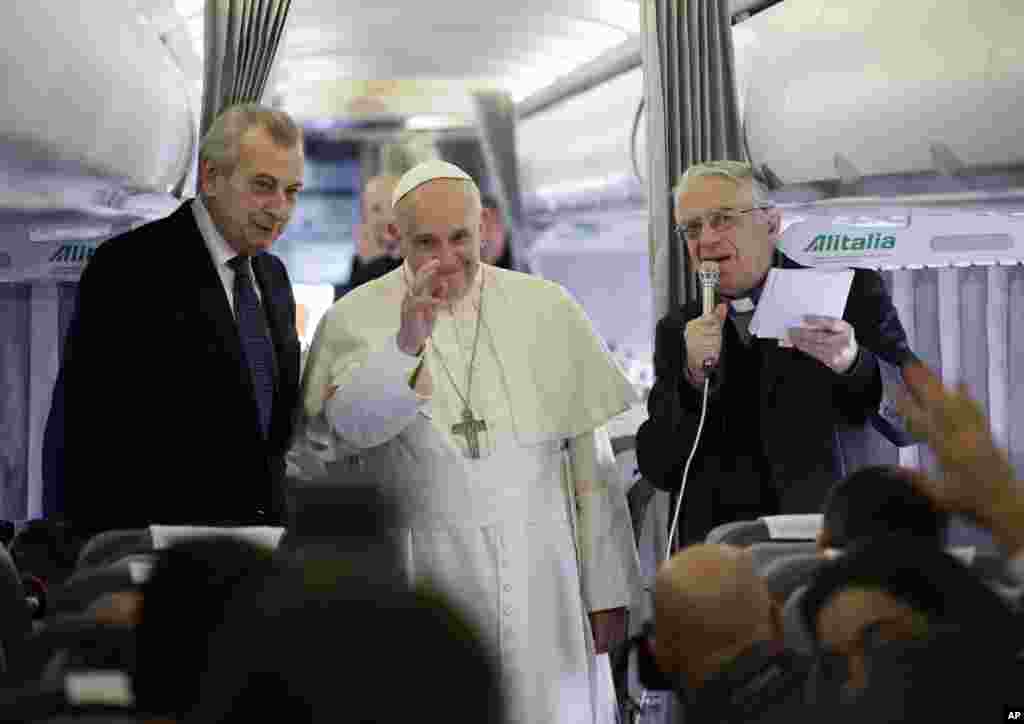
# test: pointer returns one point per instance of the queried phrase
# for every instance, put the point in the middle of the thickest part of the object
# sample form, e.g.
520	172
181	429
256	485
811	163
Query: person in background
876	501
496	242
378	250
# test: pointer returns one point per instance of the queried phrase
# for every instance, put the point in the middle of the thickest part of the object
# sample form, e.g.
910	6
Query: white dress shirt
220	251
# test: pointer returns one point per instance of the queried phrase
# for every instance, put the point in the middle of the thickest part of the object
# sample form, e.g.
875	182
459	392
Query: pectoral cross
469	428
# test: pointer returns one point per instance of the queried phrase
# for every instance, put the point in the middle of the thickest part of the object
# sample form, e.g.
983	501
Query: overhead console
850	89
91	88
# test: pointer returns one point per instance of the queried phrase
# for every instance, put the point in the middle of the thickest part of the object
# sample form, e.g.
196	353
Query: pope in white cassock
480	395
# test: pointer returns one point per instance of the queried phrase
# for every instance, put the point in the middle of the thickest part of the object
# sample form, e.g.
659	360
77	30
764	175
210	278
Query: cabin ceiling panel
520	48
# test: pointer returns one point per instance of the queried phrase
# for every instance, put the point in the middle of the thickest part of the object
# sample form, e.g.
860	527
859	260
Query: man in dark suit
182	363
777	418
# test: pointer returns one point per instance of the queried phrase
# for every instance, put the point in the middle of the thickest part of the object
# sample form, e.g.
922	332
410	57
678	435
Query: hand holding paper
829	340
804	308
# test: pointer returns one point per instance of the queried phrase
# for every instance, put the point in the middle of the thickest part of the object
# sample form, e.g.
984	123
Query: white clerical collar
741	306
219	249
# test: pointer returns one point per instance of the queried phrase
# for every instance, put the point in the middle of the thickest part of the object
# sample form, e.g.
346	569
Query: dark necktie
256	344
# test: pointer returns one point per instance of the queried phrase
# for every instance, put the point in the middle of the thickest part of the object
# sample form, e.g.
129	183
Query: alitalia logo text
839	243
72	253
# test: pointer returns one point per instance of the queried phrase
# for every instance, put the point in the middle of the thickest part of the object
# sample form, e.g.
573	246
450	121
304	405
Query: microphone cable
673	530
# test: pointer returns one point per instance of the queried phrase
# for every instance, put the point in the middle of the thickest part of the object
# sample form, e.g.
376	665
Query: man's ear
774	222
207	175
394	231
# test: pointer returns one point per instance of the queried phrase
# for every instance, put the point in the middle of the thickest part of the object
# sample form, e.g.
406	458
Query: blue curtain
15	341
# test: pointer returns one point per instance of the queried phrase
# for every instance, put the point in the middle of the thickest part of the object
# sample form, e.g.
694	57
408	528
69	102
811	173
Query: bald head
378	217
710	606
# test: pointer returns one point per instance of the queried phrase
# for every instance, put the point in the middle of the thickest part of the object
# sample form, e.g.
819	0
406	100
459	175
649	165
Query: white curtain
968	325
692	110
241	37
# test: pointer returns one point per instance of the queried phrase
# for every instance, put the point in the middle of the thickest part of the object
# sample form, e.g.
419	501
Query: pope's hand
419	308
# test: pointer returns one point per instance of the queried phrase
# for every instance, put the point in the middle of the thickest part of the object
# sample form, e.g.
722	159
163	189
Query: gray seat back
785	575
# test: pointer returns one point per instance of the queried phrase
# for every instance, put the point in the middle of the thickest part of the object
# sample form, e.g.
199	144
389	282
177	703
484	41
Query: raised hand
977	478
419	308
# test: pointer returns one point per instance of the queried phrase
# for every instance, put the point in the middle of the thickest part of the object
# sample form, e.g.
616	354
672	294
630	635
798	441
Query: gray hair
220	145
736	171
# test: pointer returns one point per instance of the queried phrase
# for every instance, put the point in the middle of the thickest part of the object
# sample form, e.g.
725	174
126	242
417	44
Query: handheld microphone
709	275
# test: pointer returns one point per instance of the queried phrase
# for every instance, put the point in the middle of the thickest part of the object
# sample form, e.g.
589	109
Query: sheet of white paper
794	527
791	294
164	536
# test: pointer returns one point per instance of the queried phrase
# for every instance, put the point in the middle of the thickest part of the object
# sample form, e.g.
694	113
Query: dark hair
326	643
183	603
47	549
880	500
925	578
489	201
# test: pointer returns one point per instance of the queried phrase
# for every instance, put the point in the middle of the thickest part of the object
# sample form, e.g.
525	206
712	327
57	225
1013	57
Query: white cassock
536	532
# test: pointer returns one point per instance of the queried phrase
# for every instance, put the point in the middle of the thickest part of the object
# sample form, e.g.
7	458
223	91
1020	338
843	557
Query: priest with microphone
784	421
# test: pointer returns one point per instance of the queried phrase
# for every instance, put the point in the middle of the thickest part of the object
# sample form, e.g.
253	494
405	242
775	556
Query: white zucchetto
423	172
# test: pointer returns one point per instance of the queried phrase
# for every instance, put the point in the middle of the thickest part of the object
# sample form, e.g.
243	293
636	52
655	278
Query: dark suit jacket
363	272
803	408
161	422
766	684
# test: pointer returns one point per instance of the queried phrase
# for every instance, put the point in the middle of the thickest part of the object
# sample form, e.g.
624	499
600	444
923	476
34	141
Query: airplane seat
992	567
81	697
795	632
111	545
740	533
786	574
638	498
765	554
94	719
766	529
87	585
67	646
15	620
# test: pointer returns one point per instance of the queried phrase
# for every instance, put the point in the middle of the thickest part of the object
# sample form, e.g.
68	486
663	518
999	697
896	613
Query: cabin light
742	36
622	13
582	185
867	221
431	122
188	8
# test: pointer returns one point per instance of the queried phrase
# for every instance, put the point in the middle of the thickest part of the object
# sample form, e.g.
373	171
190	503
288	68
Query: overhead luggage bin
874	87
93	84
884	235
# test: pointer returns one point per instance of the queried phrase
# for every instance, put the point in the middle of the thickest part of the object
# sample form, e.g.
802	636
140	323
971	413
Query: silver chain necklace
470	427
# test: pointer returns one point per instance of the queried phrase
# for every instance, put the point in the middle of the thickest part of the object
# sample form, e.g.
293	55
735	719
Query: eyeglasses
719	220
